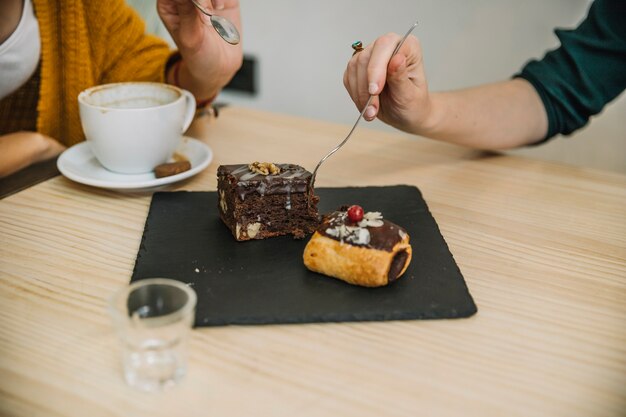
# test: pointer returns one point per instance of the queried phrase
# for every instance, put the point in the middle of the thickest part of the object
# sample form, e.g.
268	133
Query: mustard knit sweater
85	43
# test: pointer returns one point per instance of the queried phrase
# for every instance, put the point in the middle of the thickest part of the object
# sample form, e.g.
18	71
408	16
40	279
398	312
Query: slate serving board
266	282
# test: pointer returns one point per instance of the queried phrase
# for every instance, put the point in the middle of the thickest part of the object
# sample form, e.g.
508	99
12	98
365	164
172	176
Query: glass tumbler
153	318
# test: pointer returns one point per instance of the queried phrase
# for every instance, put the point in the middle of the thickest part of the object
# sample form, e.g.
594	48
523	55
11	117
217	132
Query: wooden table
542	247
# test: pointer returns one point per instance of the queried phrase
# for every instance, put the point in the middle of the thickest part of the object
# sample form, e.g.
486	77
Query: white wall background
303	46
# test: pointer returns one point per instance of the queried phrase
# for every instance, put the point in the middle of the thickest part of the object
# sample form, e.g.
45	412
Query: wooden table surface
542	247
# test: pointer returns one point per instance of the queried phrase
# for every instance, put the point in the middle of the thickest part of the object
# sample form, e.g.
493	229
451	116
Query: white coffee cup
134	126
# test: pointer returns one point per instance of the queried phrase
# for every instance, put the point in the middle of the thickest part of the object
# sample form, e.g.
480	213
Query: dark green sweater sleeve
586	72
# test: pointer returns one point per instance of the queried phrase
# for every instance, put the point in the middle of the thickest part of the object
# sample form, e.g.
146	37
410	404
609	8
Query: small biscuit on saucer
172	168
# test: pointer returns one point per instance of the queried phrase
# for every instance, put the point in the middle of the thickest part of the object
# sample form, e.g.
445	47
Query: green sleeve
586	72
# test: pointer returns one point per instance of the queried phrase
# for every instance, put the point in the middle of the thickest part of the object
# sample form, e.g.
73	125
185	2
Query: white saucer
79	164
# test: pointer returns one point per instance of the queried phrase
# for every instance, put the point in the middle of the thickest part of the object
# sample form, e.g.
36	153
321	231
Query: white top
19	54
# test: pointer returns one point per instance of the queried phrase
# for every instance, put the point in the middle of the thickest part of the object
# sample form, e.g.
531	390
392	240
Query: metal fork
369	101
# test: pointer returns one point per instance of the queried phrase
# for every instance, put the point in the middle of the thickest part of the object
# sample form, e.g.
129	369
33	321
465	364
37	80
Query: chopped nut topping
223	204
264	168
253	229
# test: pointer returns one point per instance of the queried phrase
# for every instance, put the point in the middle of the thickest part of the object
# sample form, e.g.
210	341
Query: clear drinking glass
153	318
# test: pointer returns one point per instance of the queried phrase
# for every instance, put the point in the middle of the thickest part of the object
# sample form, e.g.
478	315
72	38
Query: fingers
367	72
363	94
218	4
377	65
376	70
372	110
399	84
362	59
396	83
350	81
405	72
396	69
182	8
355	82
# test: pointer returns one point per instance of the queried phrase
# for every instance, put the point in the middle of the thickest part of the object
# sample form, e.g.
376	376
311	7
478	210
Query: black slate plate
266	282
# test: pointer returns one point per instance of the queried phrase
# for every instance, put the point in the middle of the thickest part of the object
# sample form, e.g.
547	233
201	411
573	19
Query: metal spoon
224	27
369	101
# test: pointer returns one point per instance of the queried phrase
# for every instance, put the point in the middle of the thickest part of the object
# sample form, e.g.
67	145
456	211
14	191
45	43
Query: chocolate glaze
384	237
397	264
292	179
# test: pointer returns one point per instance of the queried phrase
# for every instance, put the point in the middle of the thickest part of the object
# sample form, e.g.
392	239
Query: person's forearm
21	149
494	116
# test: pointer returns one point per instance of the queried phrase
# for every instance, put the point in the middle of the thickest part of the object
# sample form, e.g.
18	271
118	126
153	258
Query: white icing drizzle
350	234
247	176
295	174
240	169
357	235
262	188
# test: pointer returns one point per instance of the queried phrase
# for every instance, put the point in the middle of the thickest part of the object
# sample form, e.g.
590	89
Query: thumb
400	86
397	71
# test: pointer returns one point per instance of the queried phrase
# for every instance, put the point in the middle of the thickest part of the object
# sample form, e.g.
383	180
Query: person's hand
209	62
21	149
398	84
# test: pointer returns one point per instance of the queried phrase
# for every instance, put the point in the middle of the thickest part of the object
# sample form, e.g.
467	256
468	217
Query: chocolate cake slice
262	200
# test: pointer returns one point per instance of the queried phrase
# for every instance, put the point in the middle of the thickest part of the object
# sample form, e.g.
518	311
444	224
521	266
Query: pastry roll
362	250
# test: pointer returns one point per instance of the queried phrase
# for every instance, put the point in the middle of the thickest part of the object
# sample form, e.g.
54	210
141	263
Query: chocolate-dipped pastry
359	248
261	200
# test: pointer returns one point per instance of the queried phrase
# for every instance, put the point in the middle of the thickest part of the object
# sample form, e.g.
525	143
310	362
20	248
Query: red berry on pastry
355	213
